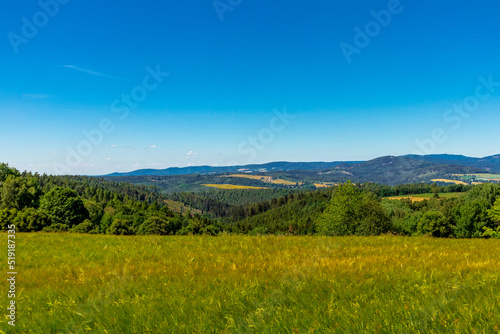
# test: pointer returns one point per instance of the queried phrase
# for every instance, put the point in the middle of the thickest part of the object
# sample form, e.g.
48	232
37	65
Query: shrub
84	227
155	226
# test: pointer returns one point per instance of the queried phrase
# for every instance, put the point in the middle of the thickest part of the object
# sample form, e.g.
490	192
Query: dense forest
94	205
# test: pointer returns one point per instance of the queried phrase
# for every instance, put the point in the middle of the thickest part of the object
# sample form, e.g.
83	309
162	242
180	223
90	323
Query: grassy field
421	197
448	181
231	186
69	283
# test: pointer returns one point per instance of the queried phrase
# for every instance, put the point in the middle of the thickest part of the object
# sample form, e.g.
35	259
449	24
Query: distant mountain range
388	167
267	167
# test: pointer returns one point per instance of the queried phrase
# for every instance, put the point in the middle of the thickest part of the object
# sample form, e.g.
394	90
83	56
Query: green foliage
200	225
154	225
86	227
434	223
121	227
7	217
58	227
19	193
494	212
353	212
64	206
6	171
291	214
93	205
95	211
470	219
491	233
31	220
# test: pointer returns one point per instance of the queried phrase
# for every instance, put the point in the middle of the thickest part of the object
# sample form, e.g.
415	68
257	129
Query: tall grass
70	283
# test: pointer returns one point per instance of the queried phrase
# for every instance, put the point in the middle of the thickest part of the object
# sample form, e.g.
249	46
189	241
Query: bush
260	230
58	227
120	227
84	227
154	226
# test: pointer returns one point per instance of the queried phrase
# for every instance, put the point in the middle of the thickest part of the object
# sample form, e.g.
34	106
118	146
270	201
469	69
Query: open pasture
71	283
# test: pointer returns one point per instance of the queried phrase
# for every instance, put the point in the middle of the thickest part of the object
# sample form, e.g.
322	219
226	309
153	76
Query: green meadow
74	283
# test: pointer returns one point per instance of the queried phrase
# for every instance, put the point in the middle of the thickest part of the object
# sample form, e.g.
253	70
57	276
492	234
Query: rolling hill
490	164
255	168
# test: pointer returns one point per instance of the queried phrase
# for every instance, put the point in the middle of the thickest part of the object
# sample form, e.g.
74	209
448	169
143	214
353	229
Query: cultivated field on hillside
72	283
482	176
231	186
448	181
421	197
264	178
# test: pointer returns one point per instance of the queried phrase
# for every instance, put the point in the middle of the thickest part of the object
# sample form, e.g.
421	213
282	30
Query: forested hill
385	170
398	170
272	166
490	164
91	205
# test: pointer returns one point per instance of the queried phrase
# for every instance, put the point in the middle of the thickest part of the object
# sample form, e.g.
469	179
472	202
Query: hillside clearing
265	178
231	186
448	181
421	197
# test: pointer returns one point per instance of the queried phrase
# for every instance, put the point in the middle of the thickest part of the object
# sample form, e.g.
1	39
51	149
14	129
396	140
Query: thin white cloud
191	154
95	73
36	96
152	146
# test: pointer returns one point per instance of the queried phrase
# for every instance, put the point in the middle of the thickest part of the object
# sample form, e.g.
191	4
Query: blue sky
248	82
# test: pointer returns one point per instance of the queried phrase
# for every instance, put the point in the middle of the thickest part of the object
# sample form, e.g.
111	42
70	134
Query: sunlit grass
70	283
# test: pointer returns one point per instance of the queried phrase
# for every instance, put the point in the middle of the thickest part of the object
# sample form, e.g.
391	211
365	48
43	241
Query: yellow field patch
412	198
231	186
448	181
324	185
264	178
246	176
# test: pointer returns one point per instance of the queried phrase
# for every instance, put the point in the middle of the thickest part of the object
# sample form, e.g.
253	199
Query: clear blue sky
232	69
